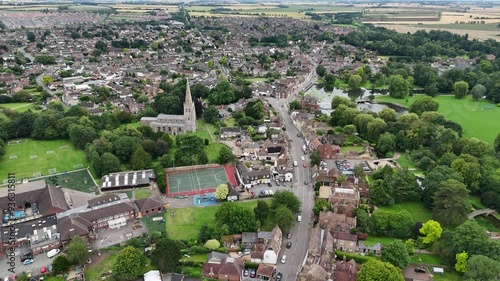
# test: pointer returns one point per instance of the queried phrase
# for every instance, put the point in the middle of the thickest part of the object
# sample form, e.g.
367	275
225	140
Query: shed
438	270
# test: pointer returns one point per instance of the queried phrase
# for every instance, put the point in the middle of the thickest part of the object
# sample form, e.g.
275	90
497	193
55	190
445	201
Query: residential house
344	241
265	272
273	246
336	222
249	178
344	200
230	132
321	243
326	177
324	192
229	269
346	270
233	194
249	239
313	272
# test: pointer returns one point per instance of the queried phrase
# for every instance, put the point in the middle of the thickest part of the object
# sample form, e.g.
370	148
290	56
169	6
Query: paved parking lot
110	237
39	261
346	166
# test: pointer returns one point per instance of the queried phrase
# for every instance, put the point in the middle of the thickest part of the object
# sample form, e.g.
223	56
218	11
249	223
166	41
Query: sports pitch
27	157
195	181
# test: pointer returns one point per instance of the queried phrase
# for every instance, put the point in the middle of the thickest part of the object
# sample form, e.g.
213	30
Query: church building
175	124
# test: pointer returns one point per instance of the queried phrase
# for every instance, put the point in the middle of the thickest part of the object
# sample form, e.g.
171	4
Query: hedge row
357	258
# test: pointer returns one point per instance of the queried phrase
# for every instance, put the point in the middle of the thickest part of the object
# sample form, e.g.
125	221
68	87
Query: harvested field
473	34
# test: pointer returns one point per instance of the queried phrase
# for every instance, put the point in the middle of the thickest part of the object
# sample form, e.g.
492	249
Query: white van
52	253
299	218
295	163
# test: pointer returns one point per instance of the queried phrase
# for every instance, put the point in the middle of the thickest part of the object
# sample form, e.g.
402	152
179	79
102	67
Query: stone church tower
189	111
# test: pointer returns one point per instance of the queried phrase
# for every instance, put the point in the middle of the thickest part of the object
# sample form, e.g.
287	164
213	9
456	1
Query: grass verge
418	211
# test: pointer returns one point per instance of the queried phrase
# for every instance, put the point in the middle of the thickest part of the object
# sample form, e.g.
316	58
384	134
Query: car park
245	272
28	261
253	273
288	236
288	245
283	259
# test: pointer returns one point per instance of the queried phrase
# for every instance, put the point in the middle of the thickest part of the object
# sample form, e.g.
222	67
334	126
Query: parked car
304	165
420	269
288	236
283	259
245	272
277	183
295	163
27	256
278	276
270	192
303	158
284	183
52	253
299	218
306	182
288	245
28	261
253	273
269	184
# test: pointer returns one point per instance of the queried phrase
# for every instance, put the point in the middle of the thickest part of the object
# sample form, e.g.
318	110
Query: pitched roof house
228	269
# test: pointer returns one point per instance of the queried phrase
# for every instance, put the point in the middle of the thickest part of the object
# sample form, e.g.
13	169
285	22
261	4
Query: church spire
188	99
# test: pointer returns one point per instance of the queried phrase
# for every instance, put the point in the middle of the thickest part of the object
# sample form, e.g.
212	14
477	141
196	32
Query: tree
321	205
140	159
385	144
81	135
206	233
460	89
46	79
163	261
315	158
109	163
31	36
355	82
375	128
478	92
398	86
286	198
432	231
424	104
469	168
211	114
480	267
130	263
225	155
320	70
212	244
61	264
396	254
410	246
77	251
496	144
388	114
461	264
375	270
284	218
221	192
261	210
125	146
470	237
236	218
451	202
350	129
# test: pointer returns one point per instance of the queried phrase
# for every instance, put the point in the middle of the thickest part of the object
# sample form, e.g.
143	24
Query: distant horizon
248	1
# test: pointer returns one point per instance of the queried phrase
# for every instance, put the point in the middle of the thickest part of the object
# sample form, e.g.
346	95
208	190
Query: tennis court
197	181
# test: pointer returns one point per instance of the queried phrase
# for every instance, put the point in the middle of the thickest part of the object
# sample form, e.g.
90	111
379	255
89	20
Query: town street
301	231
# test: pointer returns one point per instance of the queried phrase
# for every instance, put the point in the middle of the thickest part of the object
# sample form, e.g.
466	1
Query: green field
405	161
347	149
154	226
142	193
63	158
95	271
419	212
256	79
478	118
426	259
186	222
447	276
18	106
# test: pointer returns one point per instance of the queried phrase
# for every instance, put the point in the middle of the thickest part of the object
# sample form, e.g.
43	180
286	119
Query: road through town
301	231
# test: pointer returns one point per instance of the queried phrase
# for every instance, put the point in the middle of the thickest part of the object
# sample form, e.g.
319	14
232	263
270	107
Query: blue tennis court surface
207	199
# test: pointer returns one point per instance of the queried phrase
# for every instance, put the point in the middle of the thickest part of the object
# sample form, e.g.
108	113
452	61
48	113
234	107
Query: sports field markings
33	156
13	157
36	175
52	171
198	179
50	151
78	166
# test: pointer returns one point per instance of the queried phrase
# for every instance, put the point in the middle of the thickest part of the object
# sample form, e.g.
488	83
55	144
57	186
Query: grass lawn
63	158
484	222
405	161
346	149
476	202
154	226
18	106
142	193
131	125
197	257
426	259
186	222
478	118
447	276
94	272
256	79
419	212
372	240
79	180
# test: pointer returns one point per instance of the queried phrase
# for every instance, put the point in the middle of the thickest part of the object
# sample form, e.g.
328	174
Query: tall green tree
424	104
81	135
261	210
432	230
315	158
399	87
478	92
284	218
480	267
237	218
286	198
375	270
461	264
140	159
396	254
77	251
222	191
109	163
210	114
460	89
225	155
320	70
166	255
355	82
61	264
129	264
451	202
